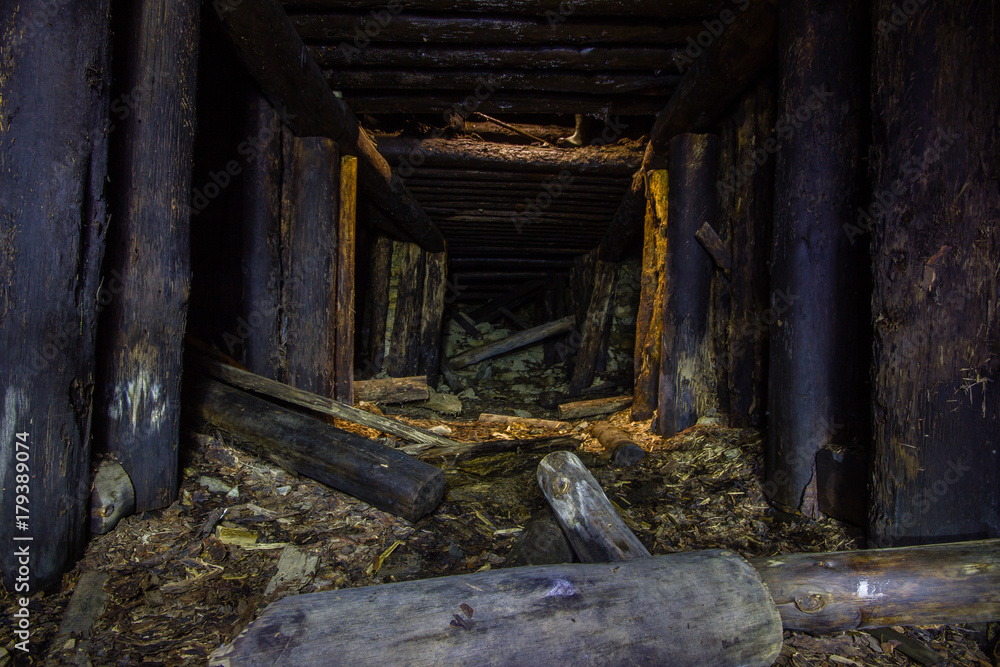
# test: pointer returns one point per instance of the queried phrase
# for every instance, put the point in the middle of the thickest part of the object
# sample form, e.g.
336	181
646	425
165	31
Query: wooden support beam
593	407
687	370
513	342
594	324
272	50
344	323
376	306
384	477
404	346
650	9
935	246
432	314
140	354
54	150
649	315
683	610
819	356
392	390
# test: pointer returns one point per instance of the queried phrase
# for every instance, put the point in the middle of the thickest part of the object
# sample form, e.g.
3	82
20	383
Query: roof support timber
268	45
678	9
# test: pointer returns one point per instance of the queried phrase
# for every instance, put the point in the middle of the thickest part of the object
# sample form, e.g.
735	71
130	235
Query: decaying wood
512	342
376	306
270	388
710	240
618	444
392	390
273	51
88	602
523	421
649	315
591	523
594	326
927	585
432	314
404	344
683	610
112	497
680	9
54	104
593	406
467	450
346	221
842	484
541	543
384	477
437	103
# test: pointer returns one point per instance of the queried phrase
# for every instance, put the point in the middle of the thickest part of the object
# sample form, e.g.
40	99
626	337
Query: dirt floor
184	580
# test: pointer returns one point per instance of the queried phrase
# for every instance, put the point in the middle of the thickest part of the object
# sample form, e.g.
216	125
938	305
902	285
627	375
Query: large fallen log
520	339
387	478
703	608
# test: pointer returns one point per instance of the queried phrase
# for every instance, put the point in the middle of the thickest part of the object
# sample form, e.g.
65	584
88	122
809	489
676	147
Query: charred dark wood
541	543
626	222
538	8
392	390
438	102
585	59
404	346
649	315
930	585
819	364
309	249
467	154
432	315
274	53
593	339
936	247
490	31
140	354
54	152
376	311
618	444
682	610
687	371
842	484
513	342
593	406
388	479
344	323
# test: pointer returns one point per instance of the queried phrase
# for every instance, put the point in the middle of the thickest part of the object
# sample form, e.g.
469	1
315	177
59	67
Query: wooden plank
512	342
591	523
273	52
593	407
687	370
649	315
594	326
683	610
392	390
818	356
141	347
384	477
344	322
935	249
54	150
321	404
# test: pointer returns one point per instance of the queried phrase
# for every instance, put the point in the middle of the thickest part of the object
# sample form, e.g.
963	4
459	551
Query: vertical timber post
936	248
142	330
432	317
687	376
649	316
53	164
344	391
819	359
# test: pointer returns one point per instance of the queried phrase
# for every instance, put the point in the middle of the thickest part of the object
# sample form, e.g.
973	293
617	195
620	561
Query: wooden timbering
432	315
649	316
309	215
594	326
138	415
404	346
376	306
819	347
344	335
53	164
935	242
687	376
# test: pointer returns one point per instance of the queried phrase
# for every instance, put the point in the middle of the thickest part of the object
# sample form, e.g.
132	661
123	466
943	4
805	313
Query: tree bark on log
344	304
649	315
141	346
594	326
936	246
593	407
682	610
818	361
269	46
687	375
384	477
392	390
513	342
53	165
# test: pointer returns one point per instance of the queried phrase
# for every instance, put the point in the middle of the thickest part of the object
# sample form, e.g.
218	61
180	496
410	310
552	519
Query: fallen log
618	445
513	342
384	477
704	608
594	406
488	418
261	385
392	390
